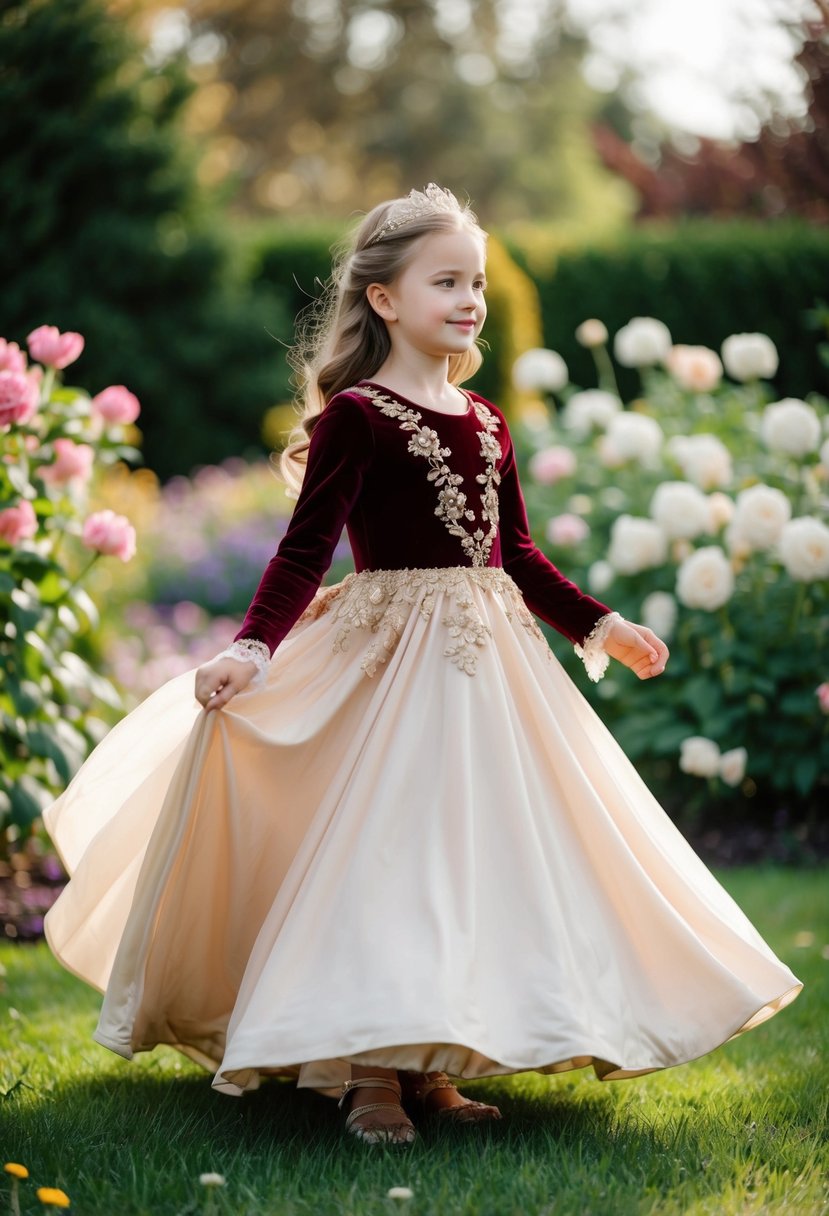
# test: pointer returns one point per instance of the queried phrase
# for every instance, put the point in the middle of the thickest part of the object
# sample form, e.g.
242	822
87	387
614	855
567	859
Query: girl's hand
638	648
220	679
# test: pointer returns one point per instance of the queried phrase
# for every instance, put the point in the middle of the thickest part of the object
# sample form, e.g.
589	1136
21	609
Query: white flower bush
642	342
760	514
749	357
588	410
705	579
790	426
702	512
636	544
804	549
681	510
540	370
703	459
631	436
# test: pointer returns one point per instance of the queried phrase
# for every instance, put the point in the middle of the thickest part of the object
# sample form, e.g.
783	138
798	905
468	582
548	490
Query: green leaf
51	586
41	743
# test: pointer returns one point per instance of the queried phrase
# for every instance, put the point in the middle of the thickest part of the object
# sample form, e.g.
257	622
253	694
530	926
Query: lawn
738	1133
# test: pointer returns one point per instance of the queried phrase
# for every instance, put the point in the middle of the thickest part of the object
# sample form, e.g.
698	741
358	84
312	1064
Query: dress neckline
416	404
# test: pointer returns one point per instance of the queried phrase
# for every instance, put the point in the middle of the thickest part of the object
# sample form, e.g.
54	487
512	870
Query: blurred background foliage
175	175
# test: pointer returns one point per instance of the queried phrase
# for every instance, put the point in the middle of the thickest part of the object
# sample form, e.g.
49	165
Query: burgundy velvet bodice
363	473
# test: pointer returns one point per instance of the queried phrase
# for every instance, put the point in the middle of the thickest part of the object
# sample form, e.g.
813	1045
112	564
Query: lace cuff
250	650
592	653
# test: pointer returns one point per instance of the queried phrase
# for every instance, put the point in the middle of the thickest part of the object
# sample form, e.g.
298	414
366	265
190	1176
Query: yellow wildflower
16	1171
54	1196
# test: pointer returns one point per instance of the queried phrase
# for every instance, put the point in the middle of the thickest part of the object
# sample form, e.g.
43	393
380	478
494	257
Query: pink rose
822	693
73	462
551	464
566	530
111	534
695	368
117	404
48	345
12	358
19	395
18	523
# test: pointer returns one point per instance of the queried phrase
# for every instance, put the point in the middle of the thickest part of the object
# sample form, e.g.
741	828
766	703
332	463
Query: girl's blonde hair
341	339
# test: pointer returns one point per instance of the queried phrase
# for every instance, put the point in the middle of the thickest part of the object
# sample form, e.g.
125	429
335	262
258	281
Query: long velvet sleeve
547	593
339	452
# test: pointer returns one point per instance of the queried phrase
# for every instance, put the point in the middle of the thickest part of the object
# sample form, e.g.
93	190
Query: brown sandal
395	1133
468	1111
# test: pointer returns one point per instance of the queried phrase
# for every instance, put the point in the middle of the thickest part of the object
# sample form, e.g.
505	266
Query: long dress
412	844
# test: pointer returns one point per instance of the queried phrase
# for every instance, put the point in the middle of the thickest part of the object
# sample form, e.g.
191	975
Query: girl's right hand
220	679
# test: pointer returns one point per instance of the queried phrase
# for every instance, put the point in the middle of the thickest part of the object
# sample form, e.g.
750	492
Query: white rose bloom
636	544
540	370
680	509
720	510
749	356
695	368
633	436
705	579
824	455
733	765
790	426
760	515
586	410
699	756
591	333
599	577
736	543
659	612
704	459
642	342
804	549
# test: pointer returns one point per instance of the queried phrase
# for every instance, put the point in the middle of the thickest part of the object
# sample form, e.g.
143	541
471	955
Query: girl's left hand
638	648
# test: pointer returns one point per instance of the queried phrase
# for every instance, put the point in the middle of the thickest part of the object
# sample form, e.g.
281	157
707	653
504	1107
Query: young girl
406	847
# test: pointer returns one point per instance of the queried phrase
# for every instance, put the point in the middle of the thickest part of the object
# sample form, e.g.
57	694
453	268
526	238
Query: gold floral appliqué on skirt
381	602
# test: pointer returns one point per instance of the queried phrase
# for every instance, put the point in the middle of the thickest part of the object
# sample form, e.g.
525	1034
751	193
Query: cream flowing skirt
414	846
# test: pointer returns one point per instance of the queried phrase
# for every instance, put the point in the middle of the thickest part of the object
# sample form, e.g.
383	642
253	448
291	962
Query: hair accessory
417	203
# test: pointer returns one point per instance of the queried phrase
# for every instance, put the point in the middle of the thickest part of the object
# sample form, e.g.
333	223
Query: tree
784	171
107	231
323	108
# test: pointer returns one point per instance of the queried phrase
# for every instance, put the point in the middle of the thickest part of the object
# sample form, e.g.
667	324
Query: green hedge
704	279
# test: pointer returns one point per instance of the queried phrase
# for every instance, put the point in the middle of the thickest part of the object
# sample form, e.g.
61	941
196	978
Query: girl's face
436	306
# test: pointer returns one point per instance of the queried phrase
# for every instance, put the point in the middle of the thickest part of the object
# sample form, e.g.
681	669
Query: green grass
738	1133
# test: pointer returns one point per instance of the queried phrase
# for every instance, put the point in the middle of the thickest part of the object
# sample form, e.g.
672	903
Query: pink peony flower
110	534
19	396
566	530
551	464
12	358
73	463
18	523
48	345
116	404
822	694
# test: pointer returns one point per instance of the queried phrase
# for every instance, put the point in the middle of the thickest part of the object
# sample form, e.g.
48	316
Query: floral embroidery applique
452	506
381	602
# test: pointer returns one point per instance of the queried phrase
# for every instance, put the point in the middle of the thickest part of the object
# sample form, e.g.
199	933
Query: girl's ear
379	299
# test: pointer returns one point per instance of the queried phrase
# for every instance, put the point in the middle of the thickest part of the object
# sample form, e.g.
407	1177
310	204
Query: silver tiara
417	203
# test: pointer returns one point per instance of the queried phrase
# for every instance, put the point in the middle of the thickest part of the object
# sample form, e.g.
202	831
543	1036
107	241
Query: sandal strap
373	1083
422	1091
371	1106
